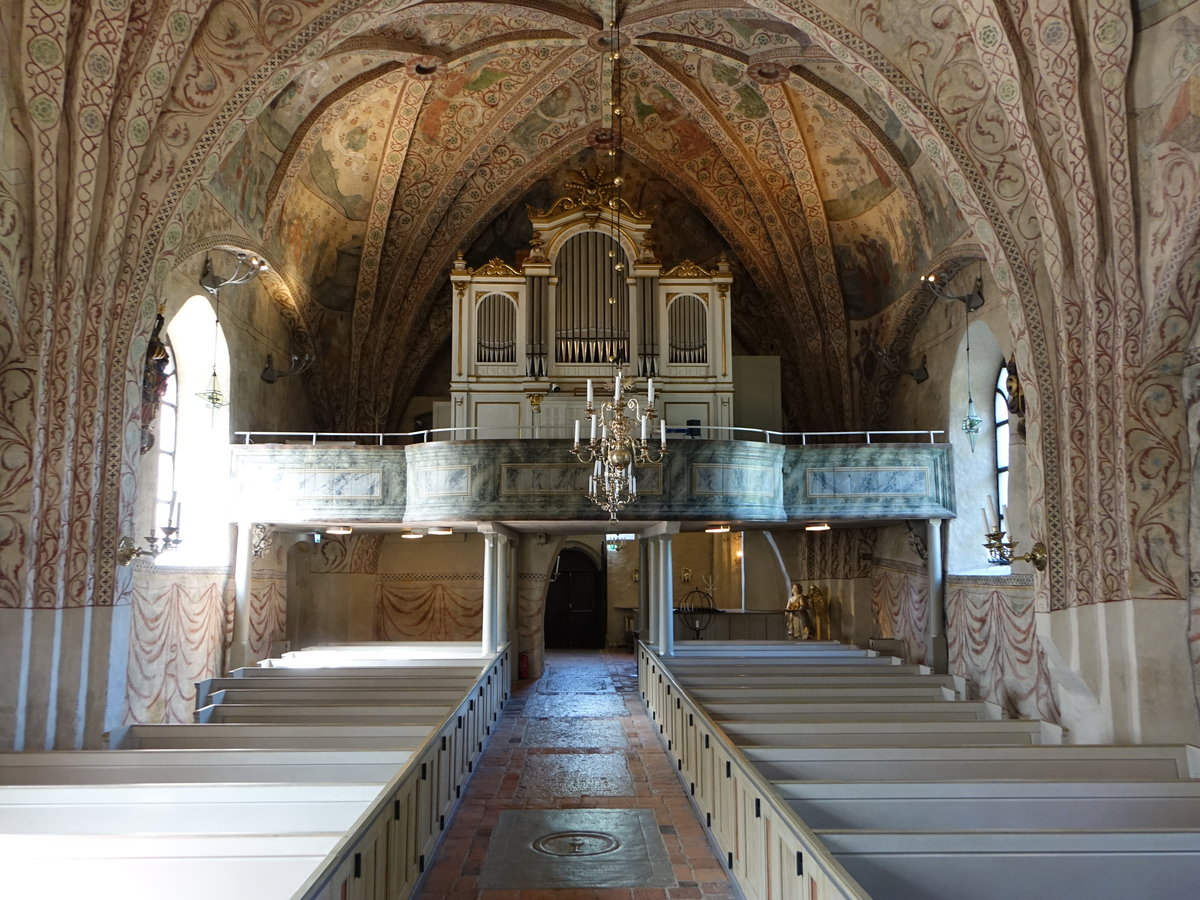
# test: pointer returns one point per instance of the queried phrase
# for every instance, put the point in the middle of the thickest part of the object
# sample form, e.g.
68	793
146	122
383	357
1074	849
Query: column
935	642
488	613
666	642
650	575
643	622
239	649
503	592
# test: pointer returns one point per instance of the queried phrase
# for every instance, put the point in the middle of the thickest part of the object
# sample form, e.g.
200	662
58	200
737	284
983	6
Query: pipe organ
590	295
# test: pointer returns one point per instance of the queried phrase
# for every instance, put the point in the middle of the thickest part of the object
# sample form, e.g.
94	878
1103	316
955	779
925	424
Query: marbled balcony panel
877	481
513	480
313	483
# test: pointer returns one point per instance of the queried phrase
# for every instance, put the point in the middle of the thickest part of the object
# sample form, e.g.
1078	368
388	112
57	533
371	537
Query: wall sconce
128	551
921	373
685	575
1001	552
299	365
972	300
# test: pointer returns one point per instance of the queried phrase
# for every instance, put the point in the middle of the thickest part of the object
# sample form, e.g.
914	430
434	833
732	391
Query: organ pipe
590	329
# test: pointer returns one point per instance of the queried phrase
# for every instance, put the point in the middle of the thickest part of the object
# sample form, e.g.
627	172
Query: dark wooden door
576	609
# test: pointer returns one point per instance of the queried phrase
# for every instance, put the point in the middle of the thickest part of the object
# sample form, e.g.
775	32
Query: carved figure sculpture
799	617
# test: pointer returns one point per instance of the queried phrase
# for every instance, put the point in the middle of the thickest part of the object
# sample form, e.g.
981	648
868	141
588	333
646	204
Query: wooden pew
410	714
268	737
874	733
915	800
217	766
851	711
1000	865
995	805
1083	762
219	808
788	677
181	867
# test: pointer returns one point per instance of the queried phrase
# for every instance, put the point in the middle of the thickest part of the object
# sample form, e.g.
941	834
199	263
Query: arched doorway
576	605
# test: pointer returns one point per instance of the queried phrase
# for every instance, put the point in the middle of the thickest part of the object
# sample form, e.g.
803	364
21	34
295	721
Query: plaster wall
55	669
624	574
1117	669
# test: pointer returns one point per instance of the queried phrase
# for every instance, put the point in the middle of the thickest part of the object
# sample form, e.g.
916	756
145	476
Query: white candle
592	419
617	395
1004	515
604	432
178	517
589	392
986	527
171	511
662	431
992	509
576	432
633	486
650	390
644	427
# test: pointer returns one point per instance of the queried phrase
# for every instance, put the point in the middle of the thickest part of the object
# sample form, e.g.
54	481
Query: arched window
167	439
199	465
1002	445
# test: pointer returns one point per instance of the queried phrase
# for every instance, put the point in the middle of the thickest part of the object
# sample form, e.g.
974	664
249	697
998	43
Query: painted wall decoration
992	638
182	620
240	184
900	602
421	607
353	554
879	252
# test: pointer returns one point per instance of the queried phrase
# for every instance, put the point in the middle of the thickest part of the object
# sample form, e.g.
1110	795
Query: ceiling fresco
425	131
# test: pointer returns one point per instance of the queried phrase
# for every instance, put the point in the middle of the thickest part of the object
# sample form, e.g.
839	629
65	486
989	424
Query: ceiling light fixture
716	529
339	529
616	450
412	535
438	530
817	526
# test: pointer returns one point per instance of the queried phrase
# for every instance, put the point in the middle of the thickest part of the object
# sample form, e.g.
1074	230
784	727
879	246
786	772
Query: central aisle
575	798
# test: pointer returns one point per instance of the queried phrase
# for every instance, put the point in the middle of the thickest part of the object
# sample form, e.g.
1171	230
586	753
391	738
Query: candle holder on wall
1003	553
128	551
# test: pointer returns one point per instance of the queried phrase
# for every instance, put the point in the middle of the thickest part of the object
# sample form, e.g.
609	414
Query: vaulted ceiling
406	133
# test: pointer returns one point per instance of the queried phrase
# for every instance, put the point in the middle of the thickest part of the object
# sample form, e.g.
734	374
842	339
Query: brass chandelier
612	447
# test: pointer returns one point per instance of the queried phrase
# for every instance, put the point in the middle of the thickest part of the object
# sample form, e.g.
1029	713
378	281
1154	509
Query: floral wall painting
563	109
1151	12
880	255
1166	127
334	286
240	183
333	174
322	245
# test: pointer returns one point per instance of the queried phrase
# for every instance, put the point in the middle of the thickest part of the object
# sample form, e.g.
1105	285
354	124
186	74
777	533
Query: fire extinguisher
522	666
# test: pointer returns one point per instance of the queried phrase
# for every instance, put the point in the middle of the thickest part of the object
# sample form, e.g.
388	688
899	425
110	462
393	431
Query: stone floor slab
578	732
576	848
575	775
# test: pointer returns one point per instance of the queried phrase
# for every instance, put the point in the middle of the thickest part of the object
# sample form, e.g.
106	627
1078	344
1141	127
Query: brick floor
517	772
